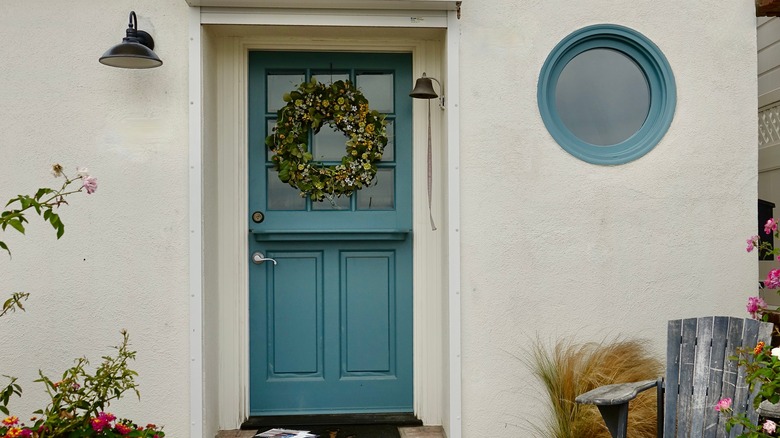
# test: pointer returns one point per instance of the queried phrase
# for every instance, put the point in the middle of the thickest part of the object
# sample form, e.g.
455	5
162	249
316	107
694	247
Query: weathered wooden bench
698	374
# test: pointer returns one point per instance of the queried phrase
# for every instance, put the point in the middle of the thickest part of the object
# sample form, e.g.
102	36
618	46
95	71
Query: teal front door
331	322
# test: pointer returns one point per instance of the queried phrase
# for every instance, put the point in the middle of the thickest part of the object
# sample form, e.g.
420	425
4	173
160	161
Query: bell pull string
430	168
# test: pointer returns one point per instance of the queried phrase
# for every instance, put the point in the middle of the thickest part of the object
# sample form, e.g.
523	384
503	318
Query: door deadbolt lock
258	217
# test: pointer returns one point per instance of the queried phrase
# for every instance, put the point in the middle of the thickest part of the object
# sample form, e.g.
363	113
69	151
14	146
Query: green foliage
762	367
79	399
43	203
14	303
5	394
343	107
762	374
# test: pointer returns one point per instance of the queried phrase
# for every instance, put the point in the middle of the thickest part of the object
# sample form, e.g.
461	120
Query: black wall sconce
135	51
423	89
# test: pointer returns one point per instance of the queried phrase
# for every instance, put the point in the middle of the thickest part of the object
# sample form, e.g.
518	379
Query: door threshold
396	419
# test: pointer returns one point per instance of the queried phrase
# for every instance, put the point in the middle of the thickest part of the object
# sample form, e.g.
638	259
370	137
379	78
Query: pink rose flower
755	305
770	426
723	405
770	226
90	184
752	243
772	279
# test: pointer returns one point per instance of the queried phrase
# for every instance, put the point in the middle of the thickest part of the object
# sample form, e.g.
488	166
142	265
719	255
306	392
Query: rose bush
79	399
762	367
45	202
78	402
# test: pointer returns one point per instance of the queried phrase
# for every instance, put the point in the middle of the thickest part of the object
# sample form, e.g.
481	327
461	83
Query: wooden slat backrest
733	341
720	330
671	383
699	373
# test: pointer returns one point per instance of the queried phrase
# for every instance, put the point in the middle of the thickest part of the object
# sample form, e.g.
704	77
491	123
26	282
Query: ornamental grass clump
568	370
78	401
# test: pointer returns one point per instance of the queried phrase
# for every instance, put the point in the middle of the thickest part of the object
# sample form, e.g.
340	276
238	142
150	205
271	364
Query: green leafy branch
13	303
762	374
79	395
43	203
5	394
78	401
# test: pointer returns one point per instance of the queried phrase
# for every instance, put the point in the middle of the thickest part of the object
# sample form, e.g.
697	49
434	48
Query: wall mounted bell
423	88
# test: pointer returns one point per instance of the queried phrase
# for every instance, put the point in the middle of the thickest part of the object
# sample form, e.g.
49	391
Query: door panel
368	309
331	323
294	312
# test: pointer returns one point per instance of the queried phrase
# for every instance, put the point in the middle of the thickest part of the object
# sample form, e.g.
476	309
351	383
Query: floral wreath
343	107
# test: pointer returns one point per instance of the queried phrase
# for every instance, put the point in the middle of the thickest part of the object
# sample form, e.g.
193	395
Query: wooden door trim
430	387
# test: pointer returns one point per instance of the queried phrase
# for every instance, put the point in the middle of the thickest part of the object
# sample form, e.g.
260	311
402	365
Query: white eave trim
324	17
336	4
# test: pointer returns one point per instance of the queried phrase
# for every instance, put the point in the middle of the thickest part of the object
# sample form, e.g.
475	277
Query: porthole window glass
607	94
602	97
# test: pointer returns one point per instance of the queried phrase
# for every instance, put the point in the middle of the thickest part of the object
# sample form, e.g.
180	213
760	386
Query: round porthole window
607	94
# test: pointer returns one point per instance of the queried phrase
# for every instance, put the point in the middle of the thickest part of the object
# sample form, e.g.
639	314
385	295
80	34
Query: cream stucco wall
556	247
551	246
122	262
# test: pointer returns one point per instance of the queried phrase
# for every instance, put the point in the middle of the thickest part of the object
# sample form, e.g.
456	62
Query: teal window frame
660	80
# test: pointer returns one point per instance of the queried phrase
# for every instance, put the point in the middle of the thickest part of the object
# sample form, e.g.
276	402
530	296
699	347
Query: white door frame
441	292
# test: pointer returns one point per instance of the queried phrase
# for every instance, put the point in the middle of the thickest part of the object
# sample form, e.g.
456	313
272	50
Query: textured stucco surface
122	262
555	247
551	246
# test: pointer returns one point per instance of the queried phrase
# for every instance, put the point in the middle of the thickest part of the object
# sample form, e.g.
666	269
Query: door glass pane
337	203
270	124
602	97
381	194
389	154
329	78
378	89
278	84
329	144
281	196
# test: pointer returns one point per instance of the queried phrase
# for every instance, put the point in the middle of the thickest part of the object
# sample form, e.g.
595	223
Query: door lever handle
259	258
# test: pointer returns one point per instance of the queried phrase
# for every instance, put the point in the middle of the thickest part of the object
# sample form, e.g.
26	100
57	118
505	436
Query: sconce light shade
423	89
135	51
